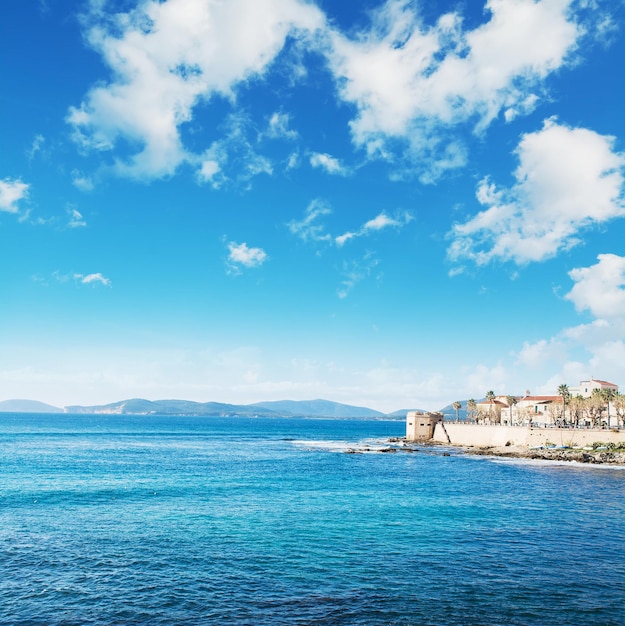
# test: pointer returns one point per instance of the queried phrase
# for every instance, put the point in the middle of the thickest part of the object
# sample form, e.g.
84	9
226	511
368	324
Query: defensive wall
496	435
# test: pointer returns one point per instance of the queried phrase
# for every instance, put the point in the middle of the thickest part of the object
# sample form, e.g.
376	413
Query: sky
387	203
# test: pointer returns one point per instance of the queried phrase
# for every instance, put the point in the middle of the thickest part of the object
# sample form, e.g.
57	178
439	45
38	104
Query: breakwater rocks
595	456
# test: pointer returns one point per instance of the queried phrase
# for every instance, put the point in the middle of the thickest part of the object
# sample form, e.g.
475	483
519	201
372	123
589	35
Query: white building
586	387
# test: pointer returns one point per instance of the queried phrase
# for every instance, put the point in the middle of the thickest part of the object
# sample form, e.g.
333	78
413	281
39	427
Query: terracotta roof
601	382
542	399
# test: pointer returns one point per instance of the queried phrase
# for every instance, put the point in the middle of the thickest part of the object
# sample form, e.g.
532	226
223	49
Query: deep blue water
177	520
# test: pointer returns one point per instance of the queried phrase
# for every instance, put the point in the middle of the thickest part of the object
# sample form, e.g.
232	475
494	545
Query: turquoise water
177	520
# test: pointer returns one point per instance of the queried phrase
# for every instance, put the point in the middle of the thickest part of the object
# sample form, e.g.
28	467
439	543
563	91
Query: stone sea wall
483	435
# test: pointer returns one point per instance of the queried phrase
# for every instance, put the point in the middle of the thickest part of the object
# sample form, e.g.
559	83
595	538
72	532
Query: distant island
27	406
278	408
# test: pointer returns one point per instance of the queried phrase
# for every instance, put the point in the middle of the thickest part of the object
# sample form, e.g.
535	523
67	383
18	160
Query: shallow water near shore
180	520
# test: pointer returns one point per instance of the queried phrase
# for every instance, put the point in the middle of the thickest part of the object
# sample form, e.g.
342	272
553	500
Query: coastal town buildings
594	402
534	409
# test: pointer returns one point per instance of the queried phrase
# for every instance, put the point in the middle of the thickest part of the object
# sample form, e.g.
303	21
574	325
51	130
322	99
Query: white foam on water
339	446
552	463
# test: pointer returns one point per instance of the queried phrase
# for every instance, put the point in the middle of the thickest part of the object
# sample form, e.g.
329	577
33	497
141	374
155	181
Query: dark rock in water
446	454
388	450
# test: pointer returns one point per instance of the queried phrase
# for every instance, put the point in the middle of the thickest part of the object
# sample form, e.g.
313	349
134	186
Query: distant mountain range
322	408
279	408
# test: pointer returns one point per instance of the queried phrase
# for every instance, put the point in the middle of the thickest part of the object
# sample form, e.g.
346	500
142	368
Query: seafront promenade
481	435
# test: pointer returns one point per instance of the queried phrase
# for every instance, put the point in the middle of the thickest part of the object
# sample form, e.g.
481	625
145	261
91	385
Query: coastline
600	456
587	455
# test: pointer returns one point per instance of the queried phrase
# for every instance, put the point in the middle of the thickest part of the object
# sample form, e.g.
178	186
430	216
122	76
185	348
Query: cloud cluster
12	192
568	179
312	229
412	84
416	82
165	58
596	346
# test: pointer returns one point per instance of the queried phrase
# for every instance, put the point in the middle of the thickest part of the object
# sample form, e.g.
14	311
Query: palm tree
511	400
490	396
563	390
471	406
457	405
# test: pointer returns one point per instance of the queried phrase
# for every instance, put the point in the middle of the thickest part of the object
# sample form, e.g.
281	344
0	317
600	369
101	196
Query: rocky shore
592	455
579	455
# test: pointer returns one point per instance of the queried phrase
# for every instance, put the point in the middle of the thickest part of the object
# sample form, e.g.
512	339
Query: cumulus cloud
589	348
414	82
376	224
12	192
328	163
165	58
600	289
240	255
568	179
92	279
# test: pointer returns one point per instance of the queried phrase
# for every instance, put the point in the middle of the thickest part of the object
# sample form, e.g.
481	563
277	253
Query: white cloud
328	163
293	161
242	256
535	355
278	127
595	348
166	57
36	146
232	159
92	279
12	192
210	168
481	379
82	182
354	272
415	82
600	289
76	220
568	179
377	223
309	228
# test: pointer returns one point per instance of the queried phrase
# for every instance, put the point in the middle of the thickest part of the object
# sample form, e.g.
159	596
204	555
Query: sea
161	520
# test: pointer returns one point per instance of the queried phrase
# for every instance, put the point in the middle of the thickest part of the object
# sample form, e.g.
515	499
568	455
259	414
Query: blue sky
385	203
